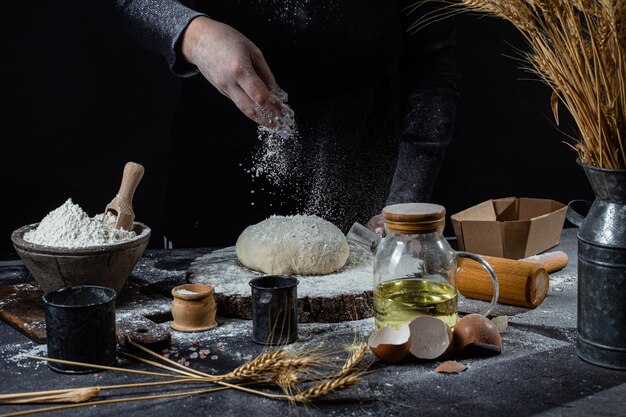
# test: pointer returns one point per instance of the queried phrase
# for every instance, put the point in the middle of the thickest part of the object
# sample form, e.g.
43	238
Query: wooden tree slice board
340	296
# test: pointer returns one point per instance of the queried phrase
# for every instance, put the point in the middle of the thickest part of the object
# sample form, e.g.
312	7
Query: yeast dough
293	245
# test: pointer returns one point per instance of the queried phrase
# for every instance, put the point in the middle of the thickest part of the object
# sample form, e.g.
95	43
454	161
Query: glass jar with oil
415	267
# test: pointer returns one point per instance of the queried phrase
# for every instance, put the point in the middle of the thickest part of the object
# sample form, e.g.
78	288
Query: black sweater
374	103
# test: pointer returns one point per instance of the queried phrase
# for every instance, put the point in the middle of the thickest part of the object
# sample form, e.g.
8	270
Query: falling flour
277	157
281	160
68	226
322	168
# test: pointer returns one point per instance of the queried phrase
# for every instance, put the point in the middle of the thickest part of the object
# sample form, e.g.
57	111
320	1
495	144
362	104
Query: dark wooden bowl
105	265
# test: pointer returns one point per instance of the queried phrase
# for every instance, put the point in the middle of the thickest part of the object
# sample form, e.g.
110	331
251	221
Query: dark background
82	100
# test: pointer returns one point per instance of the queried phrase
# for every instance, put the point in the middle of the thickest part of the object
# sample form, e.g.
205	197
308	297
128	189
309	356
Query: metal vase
601	316
274	309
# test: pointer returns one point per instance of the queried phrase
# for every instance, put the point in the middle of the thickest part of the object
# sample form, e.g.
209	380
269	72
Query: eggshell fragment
390	345
431	338
501	322
476	330
451	367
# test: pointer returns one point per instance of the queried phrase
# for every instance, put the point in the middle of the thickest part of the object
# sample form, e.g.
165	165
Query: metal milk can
601	318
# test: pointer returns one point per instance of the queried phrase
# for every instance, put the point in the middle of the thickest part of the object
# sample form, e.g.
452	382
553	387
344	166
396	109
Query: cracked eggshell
431	338
451	367
477	330
390	345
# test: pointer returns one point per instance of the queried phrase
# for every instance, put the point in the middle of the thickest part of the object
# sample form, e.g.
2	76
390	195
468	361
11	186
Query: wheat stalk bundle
578	48
292	371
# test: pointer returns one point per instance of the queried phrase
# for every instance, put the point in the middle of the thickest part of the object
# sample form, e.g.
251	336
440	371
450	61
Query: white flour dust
185	292
321	166
68	226
295	173
16	354
277	157
290	12
559	280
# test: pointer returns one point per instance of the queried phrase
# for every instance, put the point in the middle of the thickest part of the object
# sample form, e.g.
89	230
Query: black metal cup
80	327
274	310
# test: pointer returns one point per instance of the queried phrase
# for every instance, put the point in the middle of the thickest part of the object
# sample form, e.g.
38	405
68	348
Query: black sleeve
429	75
158	26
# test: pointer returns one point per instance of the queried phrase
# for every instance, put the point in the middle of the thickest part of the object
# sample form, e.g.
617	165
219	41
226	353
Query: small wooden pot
193	308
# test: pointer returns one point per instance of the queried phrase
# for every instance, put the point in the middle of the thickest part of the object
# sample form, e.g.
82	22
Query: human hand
236	67
377	224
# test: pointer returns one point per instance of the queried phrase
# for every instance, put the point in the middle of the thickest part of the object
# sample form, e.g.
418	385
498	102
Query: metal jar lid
414	217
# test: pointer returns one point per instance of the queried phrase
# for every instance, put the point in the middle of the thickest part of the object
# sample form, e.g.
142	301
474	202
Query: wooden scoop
122	203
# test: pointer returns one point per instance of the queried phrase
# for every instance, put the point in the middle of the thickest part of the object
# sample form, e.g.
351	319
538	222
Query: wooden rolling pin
522	283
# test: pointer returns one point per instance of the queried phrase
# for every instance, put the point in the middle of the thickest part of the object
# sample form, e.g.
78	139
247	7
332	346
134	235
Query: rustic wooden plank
22	307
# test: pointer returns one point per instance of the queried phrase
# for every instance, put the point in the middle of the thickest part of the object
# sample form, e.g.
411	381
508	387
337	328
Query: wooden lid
414	217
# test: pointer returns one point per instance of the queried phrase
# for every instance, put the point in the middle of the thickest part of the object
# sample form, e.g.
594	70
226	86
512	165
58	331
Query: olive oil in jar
399	301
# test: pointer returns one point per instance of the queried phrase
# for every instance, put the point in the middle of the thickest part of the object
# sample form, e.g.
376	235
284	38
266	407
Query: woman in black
374	108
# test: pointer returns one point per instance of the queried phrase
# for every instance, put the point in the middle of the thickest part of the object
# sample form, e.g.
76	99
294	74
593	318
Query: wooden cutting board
138	313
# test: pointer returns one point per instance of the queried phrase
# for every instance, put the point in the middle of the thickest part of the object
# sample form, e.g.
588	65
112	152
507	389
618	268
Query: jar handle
496	287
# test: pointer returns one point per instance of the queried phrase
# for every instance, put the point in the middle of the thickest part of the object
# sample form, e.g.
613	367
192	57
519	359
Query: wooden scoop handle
524	282
133	172
122	203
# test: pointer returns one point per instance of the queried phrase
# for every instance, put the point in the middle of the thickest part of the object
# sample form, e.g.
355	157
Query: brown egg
431	338
477	331
390	345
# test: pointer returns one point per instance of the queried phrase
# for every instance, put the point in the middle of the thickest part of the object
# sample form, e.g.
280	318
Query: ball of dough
293	245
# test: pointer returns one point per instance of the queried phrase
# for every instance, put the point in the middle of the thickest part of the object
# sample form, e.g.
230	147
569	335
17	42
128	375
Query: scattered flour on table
562	279
232	339
68	226
231	342
16	354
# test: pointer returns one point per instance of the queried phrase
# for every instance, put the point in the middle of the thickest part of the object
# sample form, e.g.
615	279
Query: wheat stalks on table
257	367
75	395
182	374
353	360
285	369
185	373
347	376
112	401
325	388
185	370
286	378
295	363
106	368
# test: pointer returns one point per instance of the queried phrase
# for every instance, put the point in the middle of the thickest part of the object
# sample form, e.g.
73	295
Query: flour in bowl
68	226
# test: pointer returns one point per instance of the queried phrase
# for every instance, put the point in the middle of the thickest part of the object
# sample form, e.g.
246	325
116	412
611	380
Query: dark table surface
537	374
